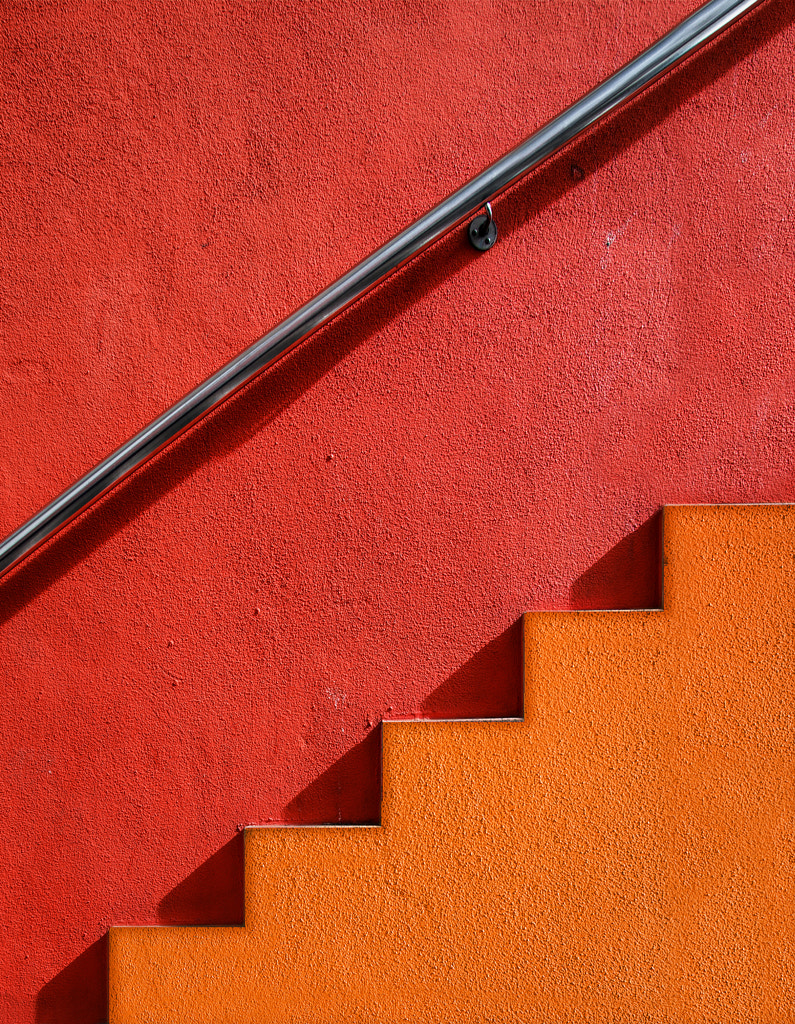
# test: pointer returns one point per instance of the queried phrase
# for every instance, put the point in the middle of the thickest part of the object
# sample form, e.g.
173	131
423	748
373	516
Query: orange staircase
625	853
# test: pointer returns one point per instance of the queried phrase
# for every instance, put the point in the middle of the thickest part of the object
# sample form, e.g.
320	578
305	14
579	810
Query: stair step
624	853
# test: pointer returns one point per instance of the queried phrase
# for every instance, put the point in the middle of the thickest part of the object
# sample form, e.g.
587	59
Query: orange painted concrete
624	854
357	535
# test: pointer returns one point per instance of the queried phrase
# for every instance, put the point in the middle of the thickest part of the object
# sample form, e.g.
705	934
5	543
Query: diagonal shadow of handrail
268	395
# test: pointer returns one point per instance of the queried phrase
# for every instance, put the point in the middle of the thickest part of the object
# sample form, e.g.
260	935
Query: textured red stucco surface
215	643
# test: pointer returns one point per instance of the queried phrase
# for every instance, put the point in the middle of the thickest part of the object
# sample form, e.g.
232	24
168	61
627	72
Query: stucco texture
357	535
623	854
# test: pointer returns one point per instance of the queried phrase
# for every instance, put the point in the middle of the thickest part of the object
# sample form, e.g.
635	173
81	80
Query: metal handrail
692	33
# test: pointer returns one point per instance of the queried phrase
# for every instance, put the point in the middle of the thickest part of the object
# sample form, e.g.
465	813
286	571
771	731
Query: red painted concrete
622	855
359	532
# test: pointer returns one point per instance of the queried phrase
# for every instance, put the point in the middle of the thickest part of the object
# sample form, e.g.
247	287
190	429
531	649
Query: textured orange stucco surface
623	854
356	536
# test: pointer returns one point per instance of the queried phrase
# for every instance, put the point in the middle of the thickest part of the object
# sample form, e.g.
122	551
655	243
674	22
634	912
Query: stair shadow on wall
79	993
213	894
629	575
487	685
349	792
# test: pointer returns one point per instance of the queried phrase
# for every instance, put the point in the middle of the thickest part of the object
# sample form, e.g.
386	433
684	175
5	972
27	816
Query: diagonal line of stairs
624	853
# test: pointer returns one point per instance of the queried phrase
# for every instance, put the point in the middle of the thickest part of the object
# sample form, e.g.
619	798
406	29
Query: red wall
216	642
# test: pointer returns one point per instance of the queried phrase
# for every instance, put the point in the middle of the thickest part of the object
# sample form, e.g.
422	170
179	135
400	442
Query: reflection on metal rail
659	58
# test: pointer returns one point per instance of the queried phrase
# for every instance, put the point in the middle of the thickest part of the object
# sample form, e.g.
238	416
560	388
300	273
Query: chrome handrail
696	30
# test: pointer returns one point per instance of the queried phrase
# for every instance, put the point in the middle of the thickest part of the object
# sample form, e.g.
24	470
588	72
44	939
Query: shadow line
347	793
260	402
213	894
487	685
79	993
604	141
230	426
629	575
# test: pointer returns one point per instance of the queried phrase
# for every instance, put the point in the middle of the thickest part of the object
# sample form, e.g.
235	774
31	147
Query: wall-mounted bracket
483	230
